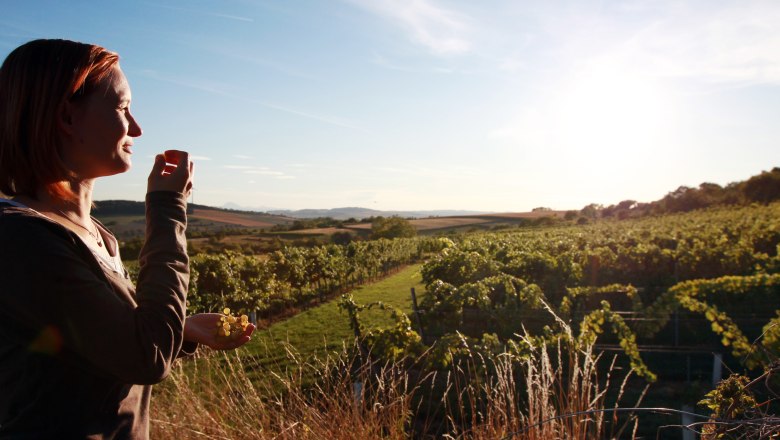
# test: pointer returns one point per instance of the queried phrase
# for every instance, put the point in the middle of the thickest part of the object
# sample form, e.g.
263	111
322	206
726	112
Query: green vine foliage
592	326
494	304
731	399
733	403
459	267
703	296
578	300
394	342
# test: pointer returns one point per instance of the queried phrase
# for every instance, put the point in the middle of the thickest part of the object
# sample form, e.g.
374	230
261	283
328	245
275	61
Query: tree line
762	188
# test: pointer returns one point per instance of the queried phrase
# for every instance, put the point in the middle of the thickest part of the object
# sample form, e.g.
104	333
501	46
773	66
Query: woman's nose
134	130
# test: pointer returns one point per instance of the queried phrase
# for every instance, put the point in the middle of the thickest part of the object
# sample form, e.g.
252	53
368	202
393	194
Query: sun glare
610	117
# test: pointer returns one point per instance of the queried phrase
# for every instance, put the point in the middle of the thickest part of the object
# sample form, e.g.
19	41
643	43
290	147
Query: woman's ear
66	117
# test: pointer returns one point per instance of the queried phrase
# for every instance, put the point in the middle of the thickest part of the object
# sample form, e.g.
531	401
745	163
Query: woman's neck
74	215
79	209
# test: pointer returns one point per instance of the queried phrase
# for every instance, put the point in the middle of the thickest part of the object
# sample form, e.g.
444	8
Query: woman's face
99	130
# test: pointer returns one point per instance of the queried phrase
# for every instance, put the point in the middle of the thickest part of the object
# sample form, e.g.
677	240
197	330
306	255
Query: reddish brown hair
37	79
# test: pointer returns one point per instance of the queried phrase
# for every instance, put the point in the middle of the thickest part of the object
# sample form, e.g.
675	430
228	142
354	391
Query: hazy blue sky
433	104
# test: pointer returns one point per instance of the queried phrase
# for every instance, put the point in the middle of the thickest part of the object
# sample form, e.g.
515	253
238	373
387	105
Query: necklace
95	235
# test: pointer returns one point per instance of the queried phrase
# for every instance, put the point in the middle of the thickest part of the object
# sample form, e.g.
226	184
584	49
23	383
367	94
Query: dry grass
551	394
213	397
557	395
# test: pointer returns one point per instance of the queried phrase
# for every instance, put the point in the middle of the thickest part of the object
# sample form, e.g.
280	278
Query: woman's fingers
201	328
188	189
170	175
230	344
171	157
159	164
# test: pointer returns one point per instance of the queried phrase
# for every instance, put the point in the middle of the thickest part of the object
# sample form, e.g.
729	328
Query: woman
80	346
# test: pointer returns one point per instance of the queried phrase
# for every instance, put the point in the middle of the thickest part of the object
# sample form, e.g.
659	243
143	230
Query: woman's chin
125	163
119	168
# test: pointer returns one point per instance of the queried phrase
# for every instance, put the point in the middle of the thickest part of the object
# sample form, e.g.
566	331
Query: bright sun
610	117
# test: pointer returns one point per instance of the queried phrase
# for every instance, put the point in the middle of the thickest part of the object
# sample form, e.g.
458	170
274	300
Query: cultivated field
323	231
529	215
242	219
460	222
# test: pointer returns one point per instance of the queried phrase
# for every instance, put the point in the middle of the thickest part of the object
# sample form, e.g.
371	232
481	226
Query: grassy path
324	328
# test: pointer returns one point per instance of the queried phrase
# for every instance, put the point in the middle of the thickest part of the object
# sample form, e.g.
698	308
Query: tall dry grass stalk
214	397
552	394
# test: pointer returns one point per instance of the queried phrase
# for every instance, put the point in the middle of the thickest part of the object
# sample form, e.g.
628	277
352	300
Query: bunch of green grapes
231	326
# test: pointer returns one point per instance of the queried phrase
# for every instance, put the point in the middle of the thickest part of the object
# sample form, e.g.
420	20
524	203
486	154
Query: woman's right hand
172	171
201	328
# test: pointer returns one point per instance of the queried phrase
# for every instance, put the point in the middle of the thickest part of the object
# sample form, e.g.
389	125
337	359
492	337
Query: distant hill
112	208
356	212
126	218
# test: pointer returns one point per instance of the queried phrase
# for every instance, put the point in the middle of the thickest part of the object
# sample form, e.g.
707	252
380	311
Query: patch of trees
391	227
310	223
119	207
341	238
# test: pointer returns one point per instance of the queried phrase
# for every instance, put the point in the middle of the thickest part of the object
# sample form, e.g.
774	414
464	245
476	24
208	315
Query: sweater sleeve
52	288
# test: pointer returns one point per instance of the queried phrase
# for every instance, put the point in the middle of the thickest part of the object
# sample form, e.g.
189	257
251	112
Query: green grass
325	328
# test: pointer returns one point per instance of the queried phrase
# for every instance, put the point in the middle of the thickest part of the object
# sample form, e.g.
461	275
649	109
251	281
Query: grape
231	326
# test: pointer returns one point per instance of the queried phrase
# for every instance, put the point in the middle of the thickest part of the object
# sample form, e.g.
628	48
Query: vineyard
706	281
271	285
717	263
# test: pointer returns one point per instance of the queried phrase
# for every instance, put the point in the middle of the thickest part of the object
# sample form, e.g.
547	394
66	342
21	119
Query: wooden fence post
416	311
717	368
687	420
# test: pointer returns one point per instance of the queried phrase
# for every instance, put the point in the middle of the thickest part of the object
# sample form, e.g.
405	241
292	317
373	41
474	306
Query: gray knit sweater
80	346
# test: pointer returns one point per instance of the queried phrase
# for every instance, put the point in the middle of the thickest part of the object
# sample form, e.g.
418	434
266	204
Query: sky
499	106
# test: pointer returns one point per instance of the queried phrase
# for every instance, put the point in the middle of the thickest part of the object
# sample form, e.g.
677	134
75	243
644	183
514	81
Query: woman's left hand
172	171
201	328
